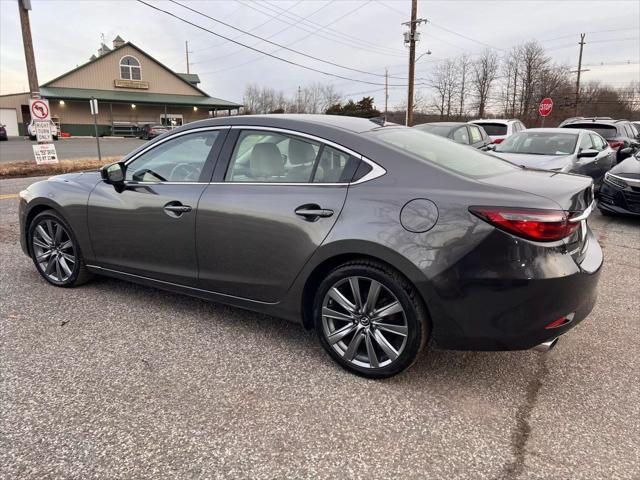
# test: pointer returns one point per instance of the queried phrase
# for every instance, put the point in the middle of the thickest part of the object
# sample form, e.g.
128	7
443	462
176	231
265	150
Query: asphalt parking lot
113	380
20	149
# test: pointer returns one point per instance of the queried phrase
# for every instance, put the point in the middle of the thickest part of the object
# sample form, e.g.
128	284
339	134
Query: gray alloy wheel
53	250
364	322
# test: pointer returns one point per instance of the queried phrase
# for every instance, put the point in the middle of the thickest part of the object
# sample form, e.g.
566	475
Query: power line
290	62
279	45
350	42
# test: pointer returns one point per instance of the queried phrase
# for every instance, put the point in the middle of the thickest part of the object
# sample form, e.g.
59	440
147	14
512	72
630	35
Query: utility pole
299	98
386	92
412	61
575	113
186	51
410	38
34	87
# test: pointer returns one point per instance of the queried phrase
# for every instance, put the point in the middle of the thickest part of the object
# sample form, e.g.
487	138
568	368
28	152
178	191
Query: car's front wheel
370	319
55	250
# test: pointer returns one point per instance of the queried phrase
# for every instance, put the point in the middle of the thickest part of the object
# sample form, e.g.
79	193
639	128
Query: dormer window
129	68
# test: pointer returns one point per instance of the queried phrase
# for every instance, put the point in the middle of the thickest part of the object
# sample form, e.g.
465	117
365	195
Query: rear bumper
503	313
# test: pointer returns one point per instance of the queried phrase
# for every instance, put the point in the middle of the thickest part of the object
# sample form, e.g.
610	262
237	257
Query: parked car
620	134
381	238
147	132
459	132
620	192
498	129
31	130
3	133
575	119
561	150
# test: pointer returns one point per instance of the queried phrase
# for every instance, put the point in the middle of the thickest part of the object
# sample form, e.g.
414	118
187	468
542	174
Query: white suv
31	129
499	128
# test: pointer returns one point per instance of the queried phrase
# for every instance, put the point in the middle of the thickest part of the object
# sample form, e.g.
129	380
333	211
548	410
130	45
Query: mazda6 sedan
381	238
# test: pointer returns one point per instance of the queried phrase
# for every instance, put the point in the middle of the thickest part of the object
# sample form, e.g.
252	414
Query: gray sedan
383	239
560	149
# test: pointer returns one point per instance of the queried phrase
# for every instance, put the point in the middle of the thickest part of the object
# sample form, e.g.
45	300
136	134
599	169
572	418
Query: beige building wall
15	101
100	75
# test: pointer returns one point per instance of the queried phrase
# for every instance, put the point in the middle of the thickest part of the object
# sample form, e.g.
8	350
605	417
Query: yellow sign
141	84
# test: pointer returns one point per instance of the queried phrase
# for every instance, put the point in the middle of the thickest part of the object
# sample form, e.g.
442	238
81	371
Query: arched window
129	68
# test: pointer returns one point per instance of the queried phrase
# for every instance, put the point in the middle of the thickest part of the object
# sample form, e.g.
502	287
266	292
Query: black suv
621	135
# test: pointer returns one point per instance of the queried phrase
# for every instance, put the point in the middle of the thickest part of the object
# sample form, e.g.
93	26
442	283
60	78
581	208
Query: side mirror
491	146
626	151
588	153
113	174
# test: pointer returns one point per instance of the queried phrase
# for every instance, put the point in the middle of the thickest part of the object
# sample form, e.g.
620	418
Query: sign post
93	104
545	108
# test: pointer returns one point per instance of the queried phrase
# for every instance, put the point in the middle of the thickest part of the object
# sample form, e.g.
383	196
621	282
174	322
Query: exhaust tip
546	346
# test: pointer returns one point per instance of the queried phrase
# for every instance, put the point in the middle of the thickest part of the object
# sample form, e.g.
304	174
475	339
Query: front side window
585	142
443	152
539	143
597	141
130	68
181	159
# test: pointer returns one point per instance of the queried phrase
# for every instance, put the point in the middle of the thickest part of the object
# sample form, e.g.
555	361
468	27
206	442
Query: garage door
9	118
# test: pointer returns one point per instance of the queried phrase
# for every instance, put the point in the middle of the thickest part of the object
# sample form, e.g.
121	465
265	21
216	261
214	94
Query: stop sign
546	105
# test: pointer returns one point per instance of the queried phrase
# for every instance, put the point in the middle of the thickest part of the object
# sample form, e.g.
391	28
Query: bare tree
485	71
444	81
463	70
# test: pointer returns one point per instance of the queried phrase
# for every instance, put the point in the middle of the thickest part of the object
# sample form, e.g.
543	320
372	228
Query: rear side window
607	131
494	128
476	135
335	166
442	152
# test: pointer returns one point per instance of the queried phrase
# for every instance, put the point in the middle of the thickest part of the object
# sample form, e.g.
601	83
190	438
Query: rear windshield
494	128
440	130
539	143
607	131
443	152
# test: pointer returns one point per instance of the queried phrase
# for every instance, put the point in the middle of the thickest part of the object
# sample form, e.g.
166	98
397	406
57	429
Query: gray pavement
20	149
113	380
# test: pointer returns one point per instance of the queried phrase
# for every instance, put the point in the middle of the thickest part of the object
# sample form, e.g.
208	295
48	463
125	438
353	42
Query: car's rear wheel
370	319
55	251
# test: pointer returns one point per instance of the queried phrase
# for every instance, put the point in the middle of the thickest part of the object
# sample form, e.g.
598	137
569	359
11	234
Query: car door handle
313	212
176	209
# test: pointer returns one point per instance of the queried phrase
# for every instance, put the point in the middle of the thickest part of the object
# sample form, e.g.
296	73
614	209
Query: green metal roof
135	97
192	78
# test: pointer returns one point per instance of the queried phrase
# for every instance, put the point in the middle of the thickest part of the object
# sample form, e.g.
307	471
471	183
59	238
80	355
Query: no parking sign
39	109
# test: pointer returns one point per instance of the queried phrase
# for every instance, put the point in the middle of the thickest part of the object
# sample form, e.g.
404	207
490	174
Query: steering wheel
186	172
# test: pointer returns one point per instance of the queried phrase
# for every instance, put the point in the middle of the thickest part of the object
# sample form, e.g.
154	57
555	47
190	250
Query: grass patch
31	169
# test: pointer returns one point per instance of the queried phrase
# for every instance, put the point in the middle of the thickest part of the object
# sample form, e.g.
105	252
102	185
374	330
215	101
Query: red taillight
616	144
498	140
534	224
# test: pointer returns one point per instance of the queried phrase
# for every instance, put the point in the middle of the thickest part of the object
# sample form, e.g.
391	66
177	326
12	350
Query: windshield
494	128
539	143
607	131
443	152
440	130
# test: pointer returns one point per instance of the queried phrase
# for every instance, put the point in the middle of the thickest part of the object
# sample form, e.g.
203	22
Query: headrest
300	152
265	160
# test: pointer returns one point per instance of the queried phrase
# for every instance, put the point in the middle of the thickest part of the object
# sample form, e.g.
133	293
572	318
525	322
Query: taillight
616	144
498	140
530	223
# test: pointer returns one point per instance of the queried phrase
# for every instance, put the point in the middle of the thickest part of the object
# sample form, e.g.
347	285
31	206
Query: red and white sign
546	105
39	109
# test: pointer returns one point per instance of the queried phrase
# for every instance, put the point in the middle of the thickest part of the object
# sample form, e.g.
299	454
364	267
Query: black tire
414	311
79	273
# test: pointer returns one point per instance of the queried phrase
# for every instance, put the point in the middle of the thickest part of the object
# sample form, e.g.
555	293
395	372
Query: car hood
545	162
630	166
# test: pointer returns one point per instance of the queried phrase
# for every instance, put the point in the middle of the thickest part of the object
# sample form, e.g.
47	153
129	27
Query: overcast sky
360	34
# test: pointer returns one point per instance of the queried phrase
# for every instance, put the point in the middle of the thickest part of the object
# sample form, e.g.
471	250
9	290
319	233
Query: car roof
601	121
353	124
554	130
494	120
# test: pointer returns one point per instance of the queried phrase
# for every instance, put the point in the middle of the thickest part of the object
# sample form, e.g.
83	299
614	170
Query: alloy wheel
53	250
364	322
